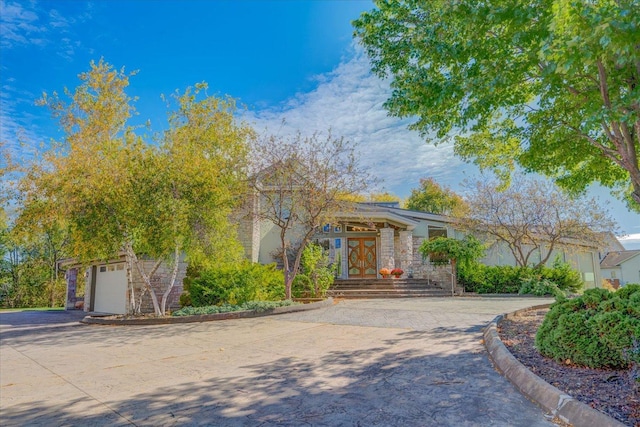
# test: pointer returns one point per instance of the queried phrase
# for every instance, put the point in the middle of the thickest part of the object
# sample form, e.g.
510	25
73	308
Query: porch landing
387	288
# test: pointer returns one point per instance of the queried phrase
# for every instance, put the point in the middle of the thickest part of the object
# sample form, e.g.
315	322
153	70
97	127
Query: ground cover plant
600	329
257	306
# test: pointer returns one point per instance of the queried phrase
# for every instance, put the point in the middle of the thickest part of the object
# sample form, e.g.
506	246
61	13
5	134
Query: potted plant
397	272
385	272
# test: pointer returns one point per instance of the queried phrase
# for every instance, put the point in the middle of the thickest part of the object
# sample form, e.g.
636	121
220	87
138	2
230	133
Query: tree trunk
454	276
174	275
146	278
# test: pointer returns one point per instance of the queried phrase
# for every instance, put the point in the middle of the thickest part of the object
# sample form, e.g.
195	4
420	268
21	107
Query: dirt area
611	392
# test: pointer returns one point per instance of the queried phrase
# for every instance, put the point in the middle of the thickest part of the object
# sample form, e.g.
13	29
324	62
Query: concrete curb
535	388
204	317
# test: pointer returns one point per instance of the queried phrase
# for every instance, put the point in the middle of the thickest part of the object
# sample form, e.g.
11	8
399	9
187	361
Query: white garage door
111	289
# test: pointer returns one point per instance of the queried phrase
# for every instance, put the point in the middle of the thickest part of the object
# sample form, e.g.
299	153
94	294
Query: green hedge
234	284
600	329
506	279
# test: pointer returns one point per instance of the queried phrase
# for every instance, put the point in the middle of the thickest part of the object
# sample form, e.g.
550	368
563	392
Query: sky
286	60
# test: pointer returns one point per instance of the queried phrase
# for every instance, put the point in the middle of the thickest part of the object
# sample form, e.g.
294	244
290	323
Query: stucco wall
630	271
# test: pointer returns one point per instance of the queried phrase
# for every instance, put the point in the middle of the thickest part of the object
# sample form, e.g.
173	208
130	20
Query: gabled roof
403	212
615	259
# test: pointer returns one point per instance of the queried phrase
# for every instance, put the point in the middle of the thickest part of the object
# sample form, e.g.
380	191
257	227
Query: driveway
402	362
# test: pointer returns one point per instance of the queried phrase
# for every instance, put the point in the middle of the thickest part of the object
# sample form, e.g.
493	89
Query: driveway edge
113	321
535	388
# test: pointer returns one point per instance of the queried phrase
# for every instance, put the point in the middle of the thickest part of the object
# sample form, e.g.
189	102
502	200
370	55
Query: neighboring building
620	268
378	235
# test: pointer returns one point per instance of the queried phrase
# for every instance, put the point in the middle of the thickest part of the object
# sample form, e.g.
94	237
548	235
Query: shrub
565	277
499	279
506	279
257	306
600	329
316	275
237	284
539	287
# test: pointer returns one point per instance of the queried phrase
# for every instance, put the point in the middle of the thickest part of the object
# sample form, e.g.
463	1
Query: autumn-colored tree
121	194
383	196
373	197
437	199
30	246
551	85
533	217
302	183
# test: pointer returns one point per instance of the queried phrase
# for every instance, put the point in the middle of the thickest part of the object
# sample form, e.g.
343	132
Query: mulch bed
608	391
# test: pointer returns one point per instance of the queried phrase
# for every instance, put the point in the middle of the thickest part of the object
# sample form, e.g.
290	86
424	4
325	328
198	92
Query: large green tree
120	193
550	85
437	199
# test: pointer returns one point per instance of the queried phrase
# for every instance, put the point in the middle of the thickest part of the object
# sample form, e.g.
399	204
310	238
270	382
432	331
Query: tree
433	198
122	194
445	250
384	196
532	217
551	85
302	183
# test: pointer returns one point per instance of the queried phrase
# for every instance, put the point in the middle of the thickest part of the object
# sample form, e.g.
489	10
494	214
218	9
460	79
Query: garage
111	289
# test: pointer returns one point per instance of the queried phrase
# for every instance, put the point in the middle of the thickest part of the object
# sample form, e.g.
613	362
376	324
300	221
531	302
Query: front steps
387	288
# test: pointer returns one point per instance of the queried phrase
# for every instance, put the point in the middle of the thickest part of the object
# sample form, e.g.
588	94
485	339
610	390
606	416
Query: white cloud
17	24
29	25
630	241
349	100
17	129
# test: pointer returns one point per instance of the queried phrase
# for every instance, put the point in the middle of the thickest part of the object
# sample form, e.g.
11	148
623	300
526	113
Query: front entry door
362	257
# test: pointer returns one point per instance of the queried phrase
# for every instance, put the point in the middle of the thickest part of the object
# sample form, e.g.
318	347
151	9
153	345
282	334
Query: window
359	229
437	232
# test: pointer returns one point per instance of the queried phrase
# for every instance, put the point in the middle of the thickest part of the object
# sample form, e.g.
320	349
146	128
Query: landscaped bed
609	391
206	314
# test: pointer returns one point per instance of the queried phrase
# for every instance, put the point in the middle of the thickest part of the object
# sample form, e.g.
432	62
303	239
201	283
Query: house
620	268
377	235
360	242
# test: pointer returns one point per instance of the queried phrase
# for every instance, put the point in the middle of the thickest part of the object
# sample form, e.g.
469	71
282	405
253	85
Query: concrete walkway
402	362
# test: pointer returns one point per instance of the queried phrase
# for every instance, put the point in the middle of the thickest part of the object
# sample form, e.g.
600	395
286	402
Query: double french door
362	257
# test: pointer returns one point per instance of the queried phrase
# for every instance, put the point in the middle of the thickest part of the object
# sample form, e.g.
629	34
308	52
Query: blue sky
293	60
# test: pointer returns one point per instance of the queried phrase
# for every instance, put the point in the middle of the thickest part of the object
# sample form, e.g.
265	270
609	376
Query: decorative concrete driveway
403	362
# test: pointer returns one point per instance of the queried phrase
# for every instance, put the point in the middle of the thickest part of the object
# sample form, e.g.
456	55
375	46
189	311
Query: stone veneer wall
422	269
159	283
404	252
387	250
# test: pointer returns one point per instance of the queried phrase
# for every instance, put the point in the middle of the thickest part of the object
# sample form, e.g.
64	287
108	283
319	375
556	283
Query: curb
559	404
204	317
